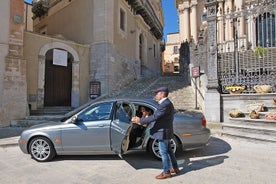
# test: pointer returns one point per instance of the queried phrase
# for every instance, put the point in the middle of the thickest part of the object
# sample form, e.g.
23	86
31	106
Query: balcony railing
40	8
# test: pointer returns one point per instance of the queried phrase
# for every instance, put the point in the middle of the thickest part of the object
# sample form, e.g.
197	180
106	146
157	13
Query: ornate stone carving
183	6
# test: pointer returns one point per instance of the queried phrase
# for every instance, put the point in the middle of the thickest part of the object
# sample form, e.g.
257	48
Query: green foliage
260	51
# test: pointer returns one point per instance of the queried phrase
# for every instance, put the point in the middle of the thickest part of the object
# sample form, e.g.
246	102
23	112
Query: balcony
40	8
144	8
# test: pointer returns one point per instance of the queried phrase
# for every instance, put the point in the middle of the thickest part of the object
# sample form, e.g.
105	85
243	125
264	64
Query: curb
11	141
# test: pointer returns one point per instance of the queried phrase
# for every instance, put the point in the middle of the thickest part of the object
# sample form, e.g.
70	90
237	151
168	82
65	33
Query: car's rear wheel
41	149
153	147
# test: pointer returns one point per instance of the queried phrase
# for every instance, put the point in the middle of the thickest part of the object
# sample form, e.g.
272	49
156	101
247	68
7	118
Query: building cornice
144	8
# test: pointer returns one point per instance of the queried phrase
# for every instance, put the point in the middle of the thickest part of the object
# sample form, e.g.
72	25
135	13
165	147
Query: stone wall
110	67
35	48
13	103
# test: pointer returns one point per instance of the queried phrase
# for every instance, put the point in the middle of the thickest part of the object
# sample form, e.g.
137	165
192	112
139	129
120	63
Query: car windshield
96	112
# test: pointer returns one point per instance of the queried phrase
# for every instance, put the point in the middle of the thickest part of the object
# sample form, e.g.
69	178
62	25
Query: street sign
95	89
195	72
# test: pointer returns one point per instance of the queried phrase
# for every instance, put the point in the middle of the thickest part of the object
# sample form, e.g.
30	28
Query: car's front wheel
153	147
41	149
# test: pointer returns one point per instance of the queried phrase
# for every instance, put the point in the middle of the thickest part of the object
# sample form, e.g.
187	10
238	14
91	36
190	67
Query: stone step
249	136
250	130
256	122
51	110
181	93
34	120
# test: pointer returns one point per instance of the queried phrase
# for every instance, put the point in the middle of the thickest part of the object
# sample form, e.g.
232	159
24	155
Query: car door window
96	112
123	112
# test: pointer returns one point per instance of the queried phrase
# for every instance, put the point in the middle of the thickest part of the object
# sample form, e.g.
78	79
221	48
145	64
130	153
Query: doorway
58	81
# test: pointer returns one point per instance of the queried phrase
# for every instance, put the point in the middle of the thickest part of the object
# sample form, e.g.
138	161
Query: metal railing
247	56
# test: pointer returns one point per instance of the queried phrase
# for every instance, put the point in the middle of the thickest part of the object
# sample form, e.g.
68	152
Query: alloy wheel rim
156	150
40	149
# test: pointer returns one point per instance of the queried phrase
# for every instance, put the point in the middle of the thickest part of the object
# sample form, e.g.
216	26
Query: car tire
153	147
41	149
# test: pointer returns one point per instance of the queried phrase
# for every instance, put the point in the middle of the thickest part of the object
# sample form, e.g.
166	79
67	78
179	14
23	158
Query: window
124	112
122	20
154	50
141	48
175	49
265	30
96	112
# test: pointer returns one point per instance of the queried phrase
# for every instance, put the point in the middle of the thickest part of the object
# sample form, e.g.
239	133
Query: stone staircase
252	129
53	110
180	94
42	115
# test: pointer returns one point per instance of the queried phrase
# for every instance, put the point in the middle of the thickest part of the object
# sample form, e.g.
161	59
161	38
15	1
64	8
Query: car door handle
100	125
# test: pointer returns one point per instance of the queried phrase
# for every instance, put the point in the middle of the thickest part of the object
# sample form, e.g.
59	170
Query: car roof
149	101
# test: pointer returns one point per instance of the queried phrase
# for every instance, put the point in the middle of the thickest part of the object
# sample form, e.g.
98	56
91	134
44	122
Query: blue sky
170	16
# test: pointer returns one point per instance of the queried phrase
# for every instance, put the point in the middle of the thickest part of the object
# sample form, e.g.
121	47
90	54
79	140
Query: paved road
224	160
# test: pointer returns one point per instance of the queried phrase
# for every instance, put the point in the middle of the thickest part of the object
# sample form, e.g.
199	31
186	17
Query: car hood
49	125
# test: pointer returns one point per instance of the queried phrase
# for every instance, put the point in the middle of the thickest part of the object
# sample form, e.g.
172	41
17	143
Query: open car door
121	127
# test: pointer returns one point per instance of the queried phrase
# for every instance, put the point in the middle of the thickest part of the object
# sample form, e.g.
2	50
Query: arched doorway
58	80
74	61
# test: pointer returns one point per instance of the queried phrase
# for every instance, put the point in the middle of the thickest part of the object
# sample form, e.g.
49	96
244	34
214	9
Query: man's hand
136	120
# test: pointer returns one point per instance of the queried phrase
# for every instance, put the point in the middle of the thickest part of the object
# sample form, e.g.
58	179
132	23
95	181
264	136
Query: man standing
162	130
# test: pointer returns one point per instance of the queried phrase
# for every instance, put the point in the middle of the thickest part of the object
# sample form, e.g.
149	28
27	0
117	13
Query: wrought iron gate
247	45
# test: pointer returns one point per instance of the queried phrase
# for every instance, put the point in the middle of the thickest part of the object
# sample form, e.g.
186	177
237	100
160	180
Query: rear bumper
196	141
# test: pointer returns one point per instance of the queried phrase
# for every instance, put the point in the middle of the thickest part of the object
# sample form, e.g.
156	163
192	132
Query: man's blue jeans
168	157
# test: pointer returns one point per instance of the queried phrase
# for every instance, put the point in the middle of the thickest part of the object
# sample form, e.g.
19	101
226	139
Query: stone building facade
13	86
125	37
74	51
171	53
54	84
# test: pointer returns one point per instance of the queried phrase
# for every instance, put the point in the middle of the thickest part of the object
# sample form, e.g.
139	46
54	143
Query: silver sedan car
105	127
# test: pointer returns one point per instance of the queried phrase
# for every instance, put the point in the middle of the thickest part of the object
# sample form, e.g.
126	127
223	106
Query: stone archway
41	72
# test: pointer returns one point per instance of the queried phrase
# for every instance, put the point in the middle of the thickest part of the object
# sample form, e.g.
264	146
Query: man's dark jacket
161	122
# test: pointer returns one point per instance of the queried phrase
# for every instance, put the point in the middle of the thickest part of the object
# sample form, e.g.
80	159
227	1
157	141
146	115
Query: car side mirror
76	119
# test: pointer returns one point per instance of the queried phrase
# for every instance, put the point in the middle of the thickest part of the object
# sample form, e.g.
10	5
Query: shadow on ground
188	160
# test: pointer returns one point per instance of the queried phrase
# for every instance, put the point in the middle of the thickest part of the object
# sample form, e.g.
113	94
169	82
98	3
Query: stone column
212	96
228	21
193	19
220	21
13	87
184	21
41	81
241	25
75	96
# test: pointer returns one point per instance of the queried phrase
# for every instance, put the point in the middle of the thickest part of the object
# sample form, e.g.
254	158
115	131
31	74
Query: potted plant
262	88
260	51
235	89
